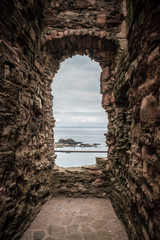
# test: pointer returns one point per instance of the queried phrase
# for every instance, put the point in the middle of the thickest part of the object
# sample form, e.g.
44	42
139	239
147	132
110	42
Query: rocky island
71	143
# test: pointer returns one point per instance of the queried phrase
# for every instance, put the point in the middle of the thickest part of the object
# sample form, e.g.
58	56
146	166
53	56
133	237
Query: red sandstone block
97	33
25	100
105	73
102	87
81	3
78	32
66	33
71	32
91	32
60	35
84	32
107	99
148	111
101	19
103	34
54	34
6	71
92	2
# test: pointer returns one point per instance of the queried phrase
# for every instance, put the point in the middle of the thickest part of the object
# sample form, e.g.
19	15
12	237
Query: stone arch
95	44
26	117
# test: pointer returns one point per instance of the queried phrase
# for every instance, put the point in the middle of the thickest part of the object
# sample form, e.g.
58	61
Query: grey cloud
76	90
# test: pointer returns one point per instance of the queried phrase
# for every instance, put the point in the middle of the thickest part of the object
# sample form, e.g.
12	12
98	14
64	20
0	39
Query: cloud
76	91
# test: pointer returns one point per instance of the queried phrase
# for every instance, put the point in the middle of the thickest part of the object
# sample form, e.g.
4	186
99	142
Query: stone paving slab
76	219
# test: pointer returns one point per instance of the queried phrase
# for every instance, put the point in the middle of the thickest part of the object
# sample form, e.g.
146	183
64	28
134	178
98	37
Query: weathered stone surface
38	235
101	19
92	1
148	109
36	36
57	231
105	73
91	218
135	91
83	181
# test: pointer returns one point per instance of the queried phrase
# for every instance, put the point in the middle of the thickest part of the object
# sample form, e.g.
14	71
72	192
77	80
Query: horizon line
80	126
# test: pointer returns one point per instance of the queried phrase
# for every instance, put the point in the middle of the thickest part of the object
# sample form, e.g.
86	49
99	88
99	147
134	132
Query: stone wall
26	121
144	178
134	135
36	37
86	181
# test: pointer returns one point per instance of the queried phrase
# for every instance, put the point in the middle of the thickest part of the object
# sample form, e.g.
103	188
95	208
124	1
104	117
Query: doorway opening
80	120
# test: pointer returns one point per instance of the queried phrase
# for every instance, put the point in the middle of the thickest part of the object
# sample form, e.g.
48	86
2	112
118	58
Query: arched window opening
80	120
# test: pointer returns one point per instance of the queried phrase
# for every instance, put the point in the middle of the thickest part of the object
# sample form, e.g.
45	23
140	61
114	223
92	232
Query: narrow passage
76	219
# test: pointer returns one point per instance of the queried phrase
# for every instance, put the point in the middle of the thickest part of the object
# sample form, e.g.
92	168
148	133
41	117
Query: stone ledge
82	181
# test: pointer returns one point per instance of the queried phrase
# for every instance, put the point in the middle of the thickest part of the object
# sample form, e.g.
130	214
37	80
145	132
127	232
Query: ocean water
80	134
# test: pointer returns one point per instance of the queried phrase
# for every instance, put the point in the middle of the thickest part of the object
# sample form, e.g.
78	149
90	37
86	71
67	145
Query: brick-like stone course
36	37
86	181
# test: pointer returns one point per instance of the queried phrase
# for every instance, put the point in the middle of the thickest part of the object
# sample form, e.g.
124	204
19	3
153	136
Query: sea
86	135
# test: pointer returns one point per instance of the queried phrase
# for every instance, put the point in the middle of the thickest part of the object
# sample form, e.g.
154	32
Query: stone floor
76	219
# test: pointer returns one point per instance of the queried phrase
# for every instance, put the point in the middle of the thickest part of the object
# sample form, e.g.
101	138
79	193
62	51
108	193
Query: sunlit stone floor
76	219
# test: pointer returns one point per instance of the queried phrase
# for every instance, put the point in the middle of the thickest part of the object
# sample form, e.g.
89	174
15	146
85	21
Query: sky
76	91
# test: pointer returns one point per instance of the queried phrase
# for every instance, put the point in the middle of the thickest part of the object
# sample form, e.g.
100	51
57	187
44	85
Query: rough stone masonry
123	36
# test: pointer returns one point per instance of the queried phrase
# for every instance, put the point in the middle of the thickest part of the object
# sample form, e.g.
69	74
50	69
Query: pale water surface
80	134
